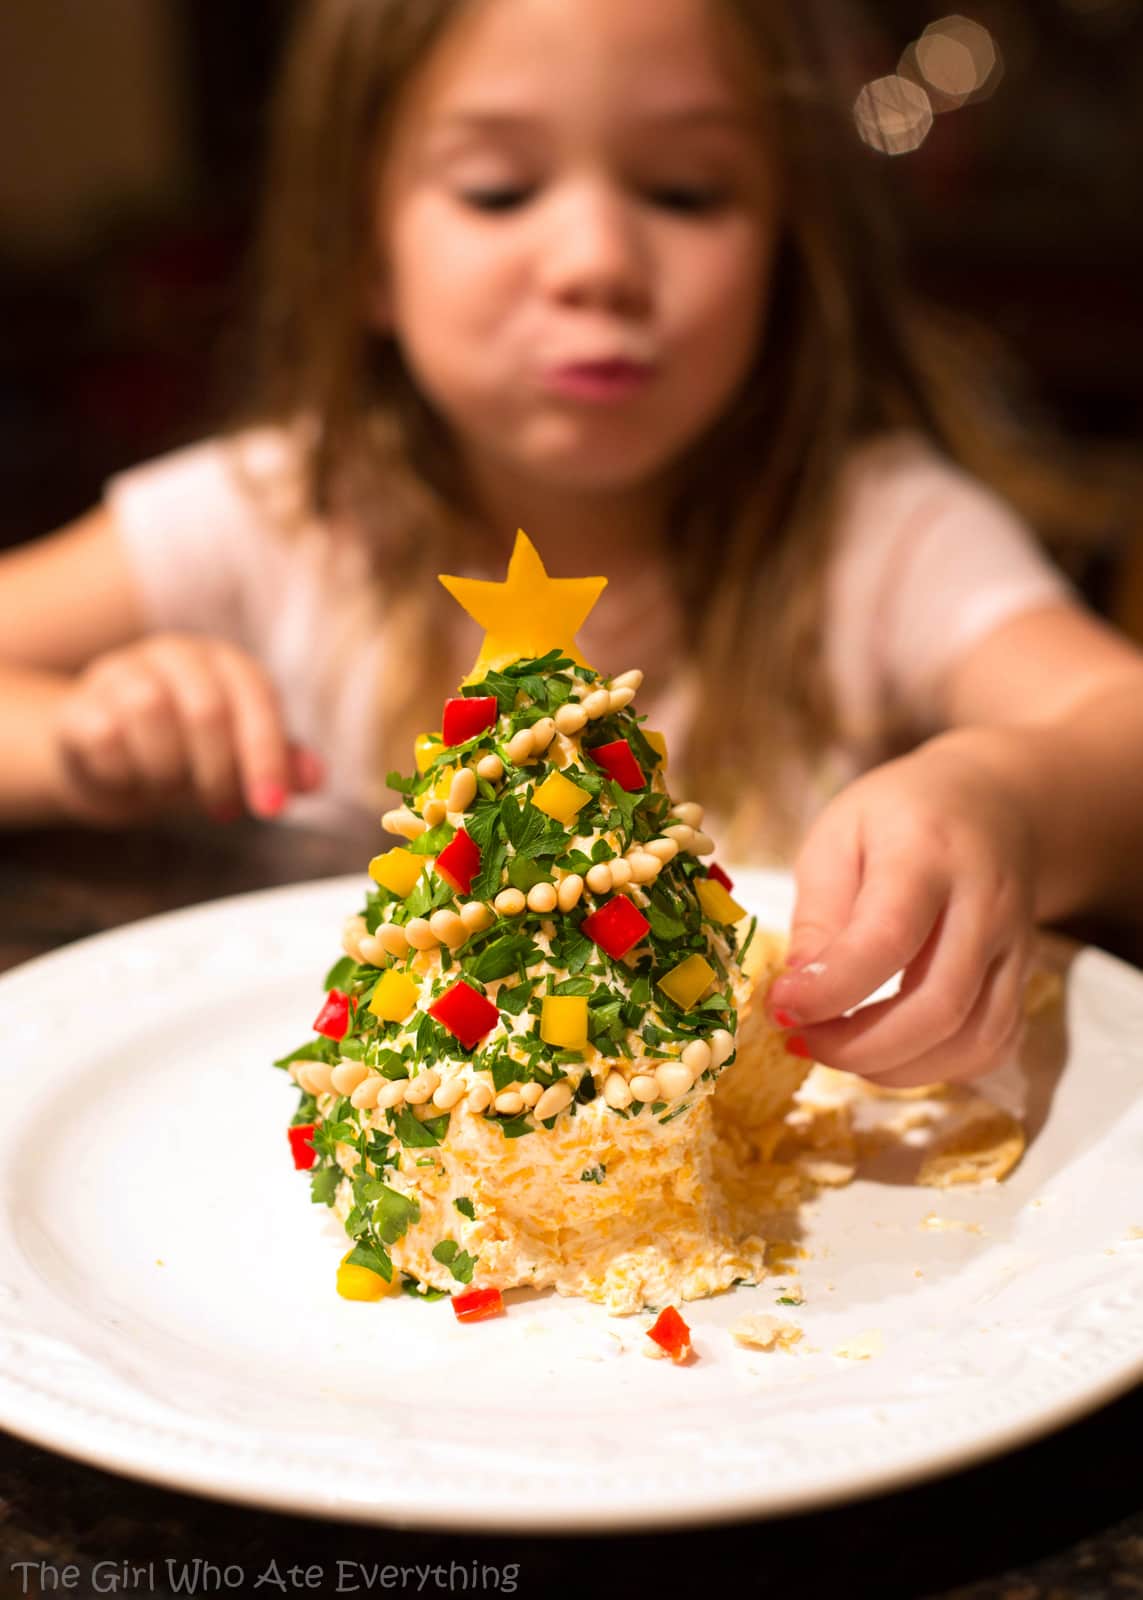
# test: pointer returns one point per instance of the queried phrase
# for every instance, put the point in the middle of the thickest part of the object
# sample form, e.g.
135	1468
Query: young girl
609	272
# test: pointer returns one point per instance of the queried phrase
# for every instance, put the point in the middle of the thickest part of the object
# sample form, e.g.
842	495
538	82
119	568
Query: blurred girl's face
576	225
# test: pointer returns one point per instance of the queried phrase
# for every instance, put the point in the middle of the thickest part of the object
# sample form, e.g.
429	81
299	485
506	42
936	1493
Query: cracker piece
766	1333
983	1150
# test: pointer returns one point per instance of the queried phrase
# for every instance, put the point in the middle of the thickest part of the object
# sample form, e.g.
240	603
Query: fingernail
311	771
267	799
785	1019
797	1046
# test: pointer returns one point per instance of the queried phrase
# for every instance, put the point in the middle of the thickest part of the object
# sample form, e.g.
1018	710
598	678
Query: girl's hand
925	864
177	718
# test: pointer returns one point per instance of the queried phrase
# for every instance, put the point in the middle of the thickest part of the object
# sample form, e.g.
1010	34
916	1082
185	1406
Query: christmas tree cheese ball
517	1057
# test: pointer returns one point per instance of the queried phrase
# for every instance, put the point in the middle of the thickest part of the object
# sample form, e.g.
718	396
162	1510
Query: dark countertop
1061	1519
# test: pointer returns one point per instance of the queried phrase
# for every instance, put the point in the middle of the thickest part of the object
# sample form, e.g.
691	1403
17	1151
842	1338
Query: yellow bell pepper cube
686	982
397	870
558	797
716	901
563	1021
426	748
658	745
394	996
444	783
358	1283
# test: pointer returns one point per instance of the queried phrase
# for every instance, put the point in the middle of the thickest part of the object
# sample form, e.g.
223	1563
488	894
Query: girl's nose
594	255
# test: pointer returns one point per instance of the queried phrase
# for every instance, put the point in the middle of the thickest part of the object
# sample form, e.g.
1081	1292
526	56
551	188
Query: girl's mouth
597	382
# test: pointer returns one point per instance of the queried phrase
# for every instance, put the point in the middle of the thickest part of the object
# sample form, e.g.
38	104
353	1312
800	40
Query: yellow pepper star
529	613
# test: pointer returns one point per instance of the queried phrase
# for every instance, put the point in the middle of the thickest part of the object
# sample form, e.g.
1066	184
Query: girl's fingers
895	911
93	742
260	738
828	877
150	724
940	988
991	1034
201	696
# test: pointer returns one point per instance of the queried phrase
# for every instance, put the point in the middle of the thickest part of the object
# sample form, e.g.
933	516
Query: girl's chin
592	462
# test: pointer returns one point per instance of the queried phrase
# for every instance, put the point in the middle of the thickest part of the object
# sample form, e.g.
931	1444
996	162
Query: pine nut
621	873
632	680
434	811
722	1045
690	812
450	1093
423	1087
364	1097
555	1099
448	928
462	790
476	916
702	844
673	1079
597	703
617	1091
599	877
404	823
391	937
663	849
353	930
645	867
519	747
543	732
490	767
683	835
570	719
618	698
644	1087
392	1093
569	892
510	902
531	1092
542	897
347	1075
314	1077
479	1097
696	1057
420	934
510	1101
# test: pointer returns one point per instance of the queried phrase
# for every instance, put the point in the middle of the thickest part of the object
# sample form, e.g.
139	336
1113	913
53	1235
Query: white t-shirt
927	563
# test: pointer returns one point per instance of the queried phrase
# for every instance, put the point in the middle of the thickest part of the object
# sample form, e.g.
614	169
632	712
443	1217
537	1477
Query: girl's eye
687	199
504	198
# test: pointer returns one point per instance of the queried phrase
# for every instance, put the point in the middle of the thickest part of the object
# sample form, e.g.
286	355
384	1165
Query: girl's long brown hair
845	356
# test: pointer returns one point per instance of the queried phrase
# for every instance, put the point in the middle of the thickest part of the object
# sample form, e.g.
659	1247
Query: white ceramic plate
166	1287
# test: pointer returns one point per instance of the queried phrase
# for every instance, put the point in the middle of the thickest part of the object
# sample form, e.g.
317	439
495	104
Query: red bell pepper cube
714	871
459	861
618	761
475	1305
466	716
467	1015
616	927
671	1334
302	1144
333	1018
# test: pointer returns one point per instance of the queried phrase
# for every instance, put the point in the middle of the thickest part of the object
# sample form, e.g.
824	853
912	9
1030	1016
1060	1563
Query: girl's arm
1052	703
1029	806
100	721
63	601
68	598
